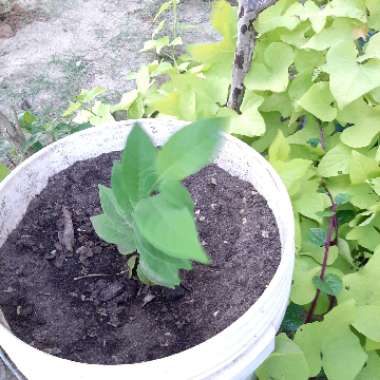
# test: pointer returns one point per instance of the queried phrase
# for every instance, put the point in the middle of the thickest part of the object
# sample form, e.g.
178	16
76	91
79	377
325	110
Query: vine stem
333	228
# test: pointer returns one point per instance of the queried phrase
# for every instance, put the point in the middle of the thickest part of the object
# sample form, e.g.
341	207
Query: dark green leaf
314	142
342	198
294	318
331	285
317	236
189	150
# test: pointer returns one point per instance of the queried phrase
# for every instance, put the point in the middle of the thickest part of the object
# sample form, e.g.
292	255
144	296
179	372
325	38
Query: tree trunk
246	41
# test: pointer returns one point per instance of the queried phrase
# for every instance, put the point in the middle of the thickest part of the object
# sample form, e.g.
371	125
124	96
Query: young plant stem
332	228
246	41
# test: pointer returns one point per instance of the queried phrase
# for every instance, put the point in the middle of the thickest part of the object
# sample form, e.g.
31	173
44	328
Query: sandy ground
65	45
61	46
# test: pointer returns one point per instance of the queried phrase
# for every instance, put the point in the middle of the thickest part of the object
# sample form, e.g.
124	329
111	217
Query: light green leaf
374	14
126	101
372	370
340	30
293	173
268	72
4	171
189	150
309	339
367	321
355	9
366	124
275	17
335	162
363	286
288	362
143	80
280	149
362	168
349	79
303	290
319	102
372	49
169	229
250	122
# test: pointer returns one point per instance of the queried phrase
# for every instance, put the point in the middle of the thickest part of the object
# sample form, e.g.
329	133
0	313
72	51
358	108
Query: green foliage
148	210
312	107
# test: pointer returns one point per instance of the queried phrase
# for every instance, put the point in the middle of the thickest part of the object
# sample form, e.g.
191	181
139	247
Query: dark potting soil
82	306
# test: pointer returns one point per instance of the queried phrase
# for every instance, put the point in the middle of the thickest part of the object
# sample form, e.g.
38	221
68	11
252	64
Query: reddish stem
322	138
333	227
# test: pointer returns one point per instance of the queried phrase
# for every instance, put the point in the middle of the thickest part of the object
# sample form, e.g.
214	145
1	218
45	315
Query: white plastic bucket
232	354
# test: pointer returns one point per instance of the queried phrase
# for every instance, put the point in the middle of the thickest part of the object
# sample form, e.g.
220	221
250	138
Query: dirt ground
52	48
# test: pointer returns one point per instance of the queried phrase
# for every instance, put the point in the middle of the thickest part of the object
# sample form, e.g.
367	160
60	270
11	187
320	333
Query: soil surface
81	305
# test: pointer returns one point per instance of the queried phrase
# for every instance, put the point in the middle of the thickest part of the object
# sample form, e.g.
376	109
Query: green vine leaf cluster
147	212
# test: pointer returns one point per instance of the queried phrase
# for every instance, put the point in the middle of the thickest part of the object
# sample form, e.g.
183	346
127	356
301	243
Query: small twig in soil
66	237
96	275
10	365
333	228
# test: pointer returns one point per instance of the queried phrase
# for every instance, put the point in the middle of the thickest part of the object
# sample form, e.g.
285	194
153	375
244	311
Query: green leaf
294	318
4	171
362	286
156	267
135	176
335	162
331	285
111	232
317	236
365	121
349	79
342	198
169	228
372	368
189	150
275	17
333	345
250	122
319	102
340	30
111	208
362	168
267	71
287	362
280	149
367	321
176	194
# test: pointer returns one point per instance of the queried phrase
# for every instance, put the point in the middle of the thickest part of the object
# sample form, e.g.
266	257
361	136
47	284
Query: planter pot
235	352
